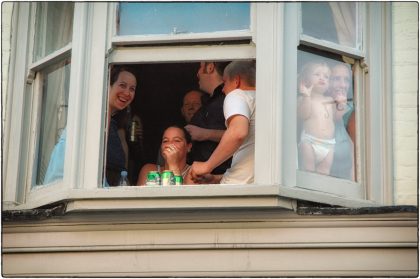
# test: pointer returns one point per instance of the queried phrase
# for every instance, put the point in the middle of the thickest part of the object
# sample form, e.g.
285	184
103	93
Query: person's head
179	137
210	75
340	80
239	74
122	88
316	74
190	104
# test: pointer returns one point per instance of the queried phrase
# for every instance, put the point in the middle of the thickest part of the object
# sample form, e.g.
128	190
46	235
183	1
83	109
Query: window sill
203	196
152	197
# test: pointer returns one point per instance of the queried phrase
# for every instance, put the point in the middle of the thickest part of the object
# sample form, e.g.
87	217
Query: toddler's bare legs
324	167
308	156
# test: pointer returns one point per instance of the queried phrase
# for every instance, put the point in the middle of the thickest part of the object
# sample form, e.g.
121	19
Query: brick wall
405	91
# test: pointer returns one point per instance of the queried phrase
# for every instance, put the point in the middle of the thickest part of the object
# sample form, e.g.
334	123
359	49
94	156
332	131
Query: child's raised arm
304	101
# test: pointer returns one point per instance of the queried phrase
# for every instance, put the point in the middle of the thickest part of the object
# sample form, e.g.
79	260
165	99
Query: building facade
291	221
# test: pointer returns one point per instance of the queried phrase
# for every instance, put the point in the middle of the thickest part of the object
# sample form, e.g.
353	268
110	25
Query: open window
342	53
156	105
38	97
281	37
51	72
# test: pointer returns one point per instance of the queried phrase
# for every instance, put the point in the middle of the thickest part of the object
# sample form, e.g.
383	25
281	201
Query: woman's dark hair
187	135
116	70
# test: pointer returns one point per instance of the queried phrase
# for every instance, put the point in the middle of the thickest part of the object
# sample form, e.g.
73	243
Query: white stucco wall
405	88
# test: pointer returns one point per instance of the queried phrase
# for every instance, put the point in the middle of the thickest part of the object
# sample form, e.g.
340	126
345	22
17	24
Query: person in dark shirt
122	89
208	123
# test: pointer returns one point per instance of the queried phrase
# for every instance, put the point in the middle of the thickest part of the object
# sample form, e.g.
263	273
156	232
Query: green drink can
168	178
179	180
153	178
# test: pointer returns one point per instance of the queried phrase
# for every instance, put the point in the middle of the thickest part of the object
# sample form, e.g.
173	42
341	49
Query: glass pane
55	93
179	18
325	116
54	27
331	21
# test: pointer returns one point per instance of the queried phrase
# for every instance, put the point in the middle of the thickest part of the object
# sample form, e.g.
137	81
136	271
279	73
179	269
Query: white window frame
373	187
34	78
356	52
93	50
119	40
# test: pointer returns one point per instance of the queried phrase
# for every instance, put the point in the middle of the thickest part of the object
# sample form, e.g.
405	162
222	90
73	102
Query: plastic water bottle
123	179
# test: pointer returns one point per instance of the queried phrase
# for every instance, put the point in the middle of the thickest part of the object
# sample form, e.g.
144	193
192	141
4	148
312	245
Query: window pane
178	18
325	114
55	94
331	21
54	25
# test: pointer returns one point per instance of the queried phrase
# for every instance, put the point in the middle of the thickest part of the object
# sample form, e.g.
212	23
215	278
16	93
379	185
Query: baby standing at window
318	112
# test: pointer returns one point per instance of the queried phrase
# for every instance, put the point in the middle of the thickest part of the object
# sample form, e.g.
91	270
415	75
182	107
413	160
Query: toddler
317	112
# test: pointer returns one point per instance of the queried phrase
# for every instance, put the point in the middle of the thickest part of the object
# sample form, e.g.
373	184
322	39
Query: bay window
158	42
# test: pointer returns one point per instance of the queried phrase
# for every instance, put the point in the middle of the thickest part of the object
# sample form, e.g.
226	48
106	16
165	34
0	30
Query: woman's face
340	81
175	137
122	92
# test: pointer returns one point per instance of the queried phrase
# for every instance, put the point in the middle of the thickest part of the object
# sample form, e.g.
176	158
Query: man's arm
202	134
234	136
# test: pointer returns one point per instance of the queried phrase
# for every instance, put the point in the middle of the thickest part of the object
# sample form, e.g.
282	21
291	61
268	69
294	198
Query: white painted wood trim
379	104
324	197
269	52
329	184
52	58
387	111
201	243
34	127
329	46
137	237
182	53
94	111
73	166
147	197
186	38
288	107
15	106
355	52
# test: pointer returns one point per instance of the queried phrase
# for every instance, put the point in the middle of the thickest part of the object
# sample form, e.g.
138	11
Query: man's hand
197	133
202	134
199	170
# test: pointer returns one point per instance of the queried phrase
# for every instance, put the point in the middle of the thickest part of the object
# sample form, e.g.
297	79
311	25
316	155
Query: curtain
344	15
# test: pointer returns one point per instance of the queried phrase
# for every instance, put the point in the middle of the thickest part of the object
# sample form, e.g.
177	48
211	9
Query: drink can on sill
153	178
178	180
168	178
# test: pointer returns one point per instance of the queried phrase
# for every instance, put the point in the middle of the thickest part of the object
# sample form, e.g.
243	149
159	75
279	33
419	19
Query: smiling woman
122	90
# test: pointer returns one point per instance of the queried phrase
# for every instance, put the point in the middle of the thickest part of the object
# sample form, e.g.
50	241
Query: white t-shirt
240	102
